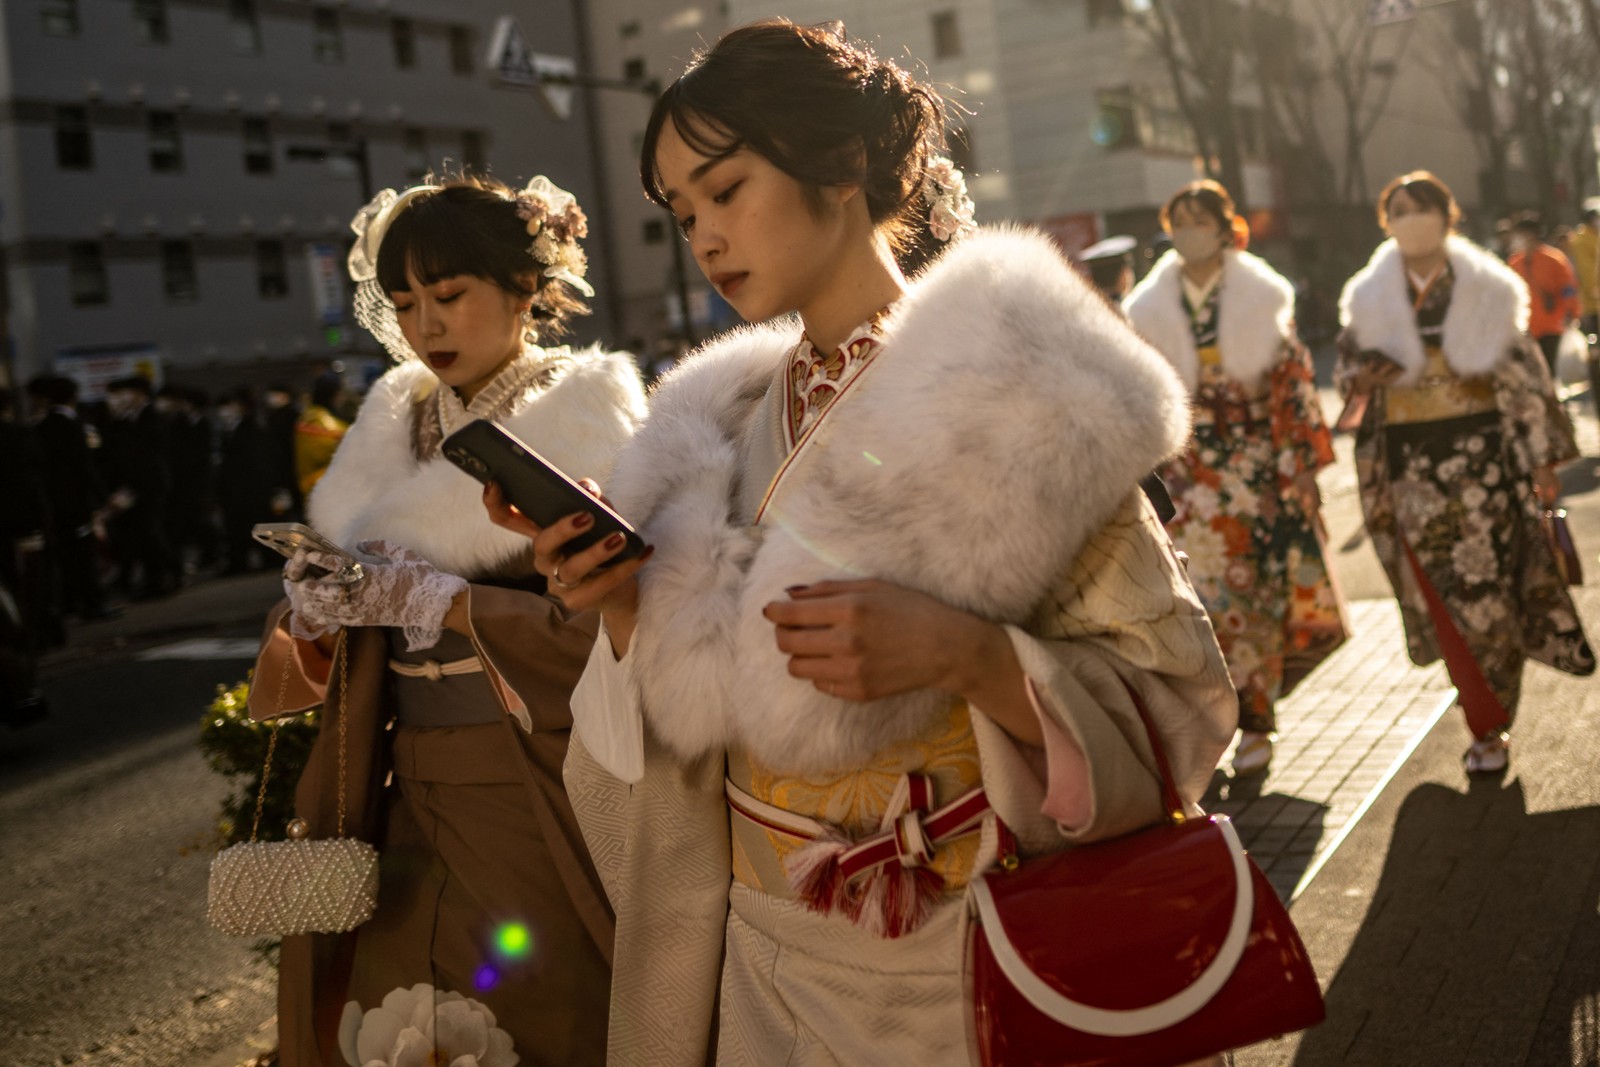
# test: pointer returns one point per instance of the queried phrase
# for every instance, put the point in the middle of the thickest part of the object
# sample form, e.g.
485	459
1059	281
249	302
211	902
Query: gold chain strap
341	653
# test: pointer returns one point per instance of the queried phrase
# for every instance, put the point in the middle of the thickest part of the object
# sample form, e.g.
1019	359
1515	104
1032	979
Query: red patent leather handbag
1151	950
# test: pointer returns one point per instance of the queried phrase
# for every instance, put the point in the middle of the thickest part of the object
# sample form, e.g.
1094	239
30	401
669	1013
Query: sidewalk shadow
1279	830
1481	944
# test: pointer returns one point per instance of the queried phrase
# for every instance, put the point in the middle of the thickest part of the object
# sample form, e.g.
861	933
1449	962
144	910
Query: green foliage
236	747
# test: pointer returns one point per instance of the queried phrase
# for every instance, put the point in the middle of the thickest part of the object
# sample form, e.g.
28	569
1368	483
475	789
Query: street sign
514	65
1383	12
93	367
327	283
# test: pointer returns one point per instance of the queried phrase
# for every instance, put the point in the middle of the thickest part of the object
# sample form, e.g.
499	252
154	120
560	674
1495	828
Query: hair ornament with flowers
556	223
944	191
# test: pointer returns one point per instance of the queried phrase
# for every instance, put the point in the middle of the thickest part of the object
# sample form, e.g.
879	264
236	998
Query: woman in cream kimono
1456	455
901	565
1246	487
453	669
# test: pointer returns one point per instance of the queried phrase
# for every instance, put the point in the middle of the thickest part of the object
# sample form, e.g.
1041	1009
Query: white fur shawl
1008	416
1488	310
1255	318
375	488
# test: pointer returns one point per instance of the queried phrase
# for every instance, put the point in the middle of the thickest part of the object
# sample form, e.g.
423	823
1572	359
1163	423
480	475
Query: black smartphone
491	453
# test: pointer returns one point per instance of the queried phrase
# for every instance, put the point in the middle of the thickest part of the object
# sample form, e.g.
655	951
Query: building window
1116	125
177	272
472	155
404	34
946	35
59	18
166	147
74	150
461	50
633	70
655	231
272	270
87	274
416	155
1105	12
150	21
327	36
246	27
628	29
257	147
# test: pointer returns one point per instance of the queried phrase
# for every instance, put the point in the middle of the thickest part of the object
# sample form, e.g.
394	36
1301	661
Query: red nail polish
616	540
583	521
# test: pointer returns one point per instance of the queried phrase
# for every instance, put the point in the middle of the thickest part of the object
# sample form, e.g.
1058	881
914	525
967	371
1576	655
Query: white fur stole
1488	310
1008	416
377	489
1255	316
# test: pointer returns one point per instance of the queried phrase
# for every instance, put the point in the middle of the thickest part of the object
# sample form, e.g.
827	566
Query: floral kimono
1256	558
1445	458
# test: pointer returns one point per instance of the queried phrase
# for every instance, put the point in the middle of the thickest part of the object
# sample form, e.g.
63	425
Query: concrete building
177	176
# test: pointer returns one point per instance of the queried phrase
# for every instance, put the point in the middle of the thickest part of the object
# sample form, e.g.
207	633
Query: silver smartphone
287	538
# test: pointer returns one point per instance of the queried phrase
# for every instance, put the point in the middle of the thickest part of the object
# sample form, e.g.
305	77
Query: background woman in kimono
1457	448
900	554
454	669
1246	486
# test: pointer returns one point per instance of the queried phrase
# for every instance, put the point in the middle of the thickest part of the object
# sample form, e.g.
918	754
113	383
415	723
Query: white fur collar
375	488
1488	310
1256	316
1009	414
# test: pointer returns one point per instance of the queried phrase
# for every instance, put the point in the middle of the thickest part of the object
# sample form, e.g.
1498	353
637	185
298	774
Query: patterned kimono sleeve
1527	399
1299	432
1348	363
1124	617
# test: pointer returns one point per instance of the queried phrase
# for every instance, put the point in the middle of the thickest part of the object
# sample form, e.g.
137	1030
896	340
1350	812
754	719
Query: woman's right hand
576	579
1375	369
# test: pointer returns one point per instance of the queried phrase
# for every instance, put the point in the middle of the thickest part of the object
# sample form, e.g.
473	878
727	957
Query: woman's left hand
1547	485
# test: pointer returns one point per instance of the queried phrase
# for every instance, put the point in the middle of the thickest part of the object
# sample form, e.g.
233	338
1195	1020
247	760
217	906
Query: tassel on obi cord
882	883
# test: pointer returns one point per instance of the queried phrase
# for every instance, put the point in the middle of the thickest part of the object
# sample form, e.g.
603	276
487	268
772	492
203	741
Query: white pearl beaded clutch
279	888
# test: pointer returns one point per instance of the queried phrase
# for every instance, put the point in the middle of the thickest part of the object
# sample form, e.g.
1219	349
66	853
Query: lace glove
400	589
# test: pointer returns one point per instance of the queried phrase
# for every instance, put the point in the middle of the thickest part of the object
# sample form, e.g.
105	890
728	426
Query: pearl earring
530	332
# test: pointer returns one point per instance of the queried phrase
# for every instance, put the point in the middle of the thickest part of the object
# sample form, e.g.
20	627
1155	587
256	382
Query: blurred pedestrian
76	494
1586	261
135	460
1552	285
1109	264
1248	508
281	413
24	522
1456	455
244	478
190	446
320	429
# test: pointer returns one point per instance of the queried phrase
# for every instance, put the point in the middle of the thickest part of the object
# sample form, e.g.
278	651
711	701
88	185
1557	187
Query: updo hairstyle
471	226
823	109
1426	189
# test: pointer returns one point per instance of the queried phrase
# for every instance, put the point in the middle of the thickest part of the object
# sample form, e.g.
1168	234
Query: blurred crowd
134	495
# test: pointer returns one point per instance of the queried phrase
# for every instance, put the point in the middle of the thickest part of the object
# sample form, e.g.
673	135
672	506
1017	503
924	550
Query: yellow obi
856	800
1440	393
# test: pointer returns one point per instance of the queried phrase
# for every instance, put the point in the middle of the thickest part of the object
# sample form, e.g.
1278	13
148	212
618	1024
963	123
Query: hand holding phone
536	487
287	538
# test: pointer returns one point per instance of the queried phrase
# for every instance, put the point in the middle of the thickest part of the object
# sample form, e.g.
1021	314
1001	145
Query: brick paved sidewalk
1342	734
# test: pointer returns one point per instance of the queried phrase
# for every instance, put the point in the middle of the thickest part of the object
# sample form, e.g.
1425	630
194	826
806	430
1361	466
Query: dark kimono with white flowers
1453	480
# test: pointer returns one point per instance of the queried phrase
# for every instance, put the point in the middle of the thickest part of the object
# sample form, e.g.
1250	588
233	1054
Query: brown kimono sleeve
533	652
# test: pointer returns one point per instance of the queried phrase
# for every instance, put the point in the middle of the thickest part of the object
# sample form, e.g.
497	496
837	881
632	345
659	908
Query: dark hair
824	110
135	383
1205	195
1529	222
54	389
470	226
1425	188
1589	214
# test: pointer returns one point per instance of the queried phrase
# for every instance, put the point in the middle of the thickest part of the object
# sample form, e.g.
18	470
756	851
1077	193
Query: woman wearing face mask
1456	450
866	599
458	668
1246	488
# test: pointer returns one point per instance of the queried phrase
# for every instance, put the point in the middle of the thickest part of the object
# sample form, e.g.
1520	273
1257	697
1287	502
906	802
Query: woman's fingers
502	513
578	566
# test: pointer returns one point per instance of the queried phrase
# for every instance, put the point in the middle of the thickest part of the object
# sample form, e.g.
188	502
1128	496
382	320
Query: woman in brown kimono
1456	450
453	669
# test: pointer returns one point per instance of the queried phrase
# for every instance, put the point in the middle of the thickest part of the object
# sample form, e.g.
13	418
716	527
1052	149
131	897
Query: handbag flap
1178	899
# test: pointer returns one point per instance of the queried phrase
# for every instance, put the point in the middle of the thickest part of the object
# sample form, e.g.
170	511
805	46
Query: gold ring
555	579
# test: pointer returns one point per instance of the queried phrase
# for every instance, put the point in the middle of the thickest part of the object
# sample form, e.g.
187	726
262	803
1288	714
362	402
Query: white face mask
1520	243
1195	244
1418	235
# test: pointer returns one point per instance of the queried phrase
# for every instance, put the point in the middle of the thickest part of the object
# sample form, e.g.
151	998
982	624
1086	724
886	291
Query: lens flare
513	940
486	978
